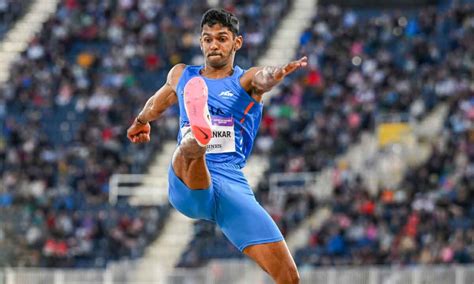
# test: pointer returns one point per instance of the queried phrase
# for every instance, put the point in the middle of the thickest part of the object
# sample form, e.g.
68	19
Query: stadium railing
139	188
245	272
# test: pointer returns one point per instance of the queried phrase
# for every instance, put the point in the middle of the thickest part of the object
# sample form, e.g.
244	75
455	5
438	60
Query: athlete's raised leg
276	260
189	165
189	161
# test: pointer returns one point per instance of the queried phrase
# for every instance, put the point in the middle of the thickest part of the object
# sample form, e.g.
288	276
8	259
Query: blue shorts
229	202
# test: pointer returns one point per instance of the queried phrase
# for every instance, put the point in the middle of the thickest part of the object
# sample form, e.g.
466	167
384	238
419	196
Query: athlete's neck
217	73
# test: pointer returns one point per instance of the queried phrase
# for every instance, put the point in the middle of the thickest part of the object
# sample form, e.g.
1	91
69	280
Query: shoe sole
195	104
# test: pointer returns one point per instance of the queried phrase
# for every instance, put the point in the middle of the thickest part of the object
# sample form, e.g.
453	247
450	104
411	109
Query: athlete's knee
190	149
288	275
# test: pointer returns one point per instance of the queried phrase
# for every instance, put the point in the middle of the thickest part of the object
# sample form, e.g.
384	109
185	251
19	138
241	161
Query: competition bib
223	135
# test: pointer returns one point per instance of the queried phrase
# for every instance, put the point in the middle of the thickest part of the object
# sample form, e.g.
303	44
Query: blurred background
365	159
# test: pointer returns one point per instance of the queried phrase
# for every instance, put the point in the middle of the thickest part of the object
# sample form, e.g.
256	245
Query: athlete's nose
214	45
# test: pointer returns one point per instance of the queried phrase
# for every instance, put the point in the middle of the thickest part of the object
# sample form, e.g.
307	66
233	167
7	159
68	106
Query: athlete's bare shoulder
246	79
174	75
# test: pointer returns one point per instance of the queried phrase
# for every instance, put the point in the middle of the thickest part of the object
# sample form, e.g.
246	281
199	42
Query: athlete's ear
239	40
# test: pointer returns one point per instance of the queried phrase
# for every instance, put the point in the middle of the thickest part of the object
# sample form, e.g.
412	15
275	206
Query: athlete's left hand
289	68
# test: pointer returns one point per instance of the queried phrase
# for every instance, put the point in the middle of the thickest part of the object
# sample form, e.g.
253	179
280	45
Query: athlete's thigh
274	258
241	218
197	204
192	172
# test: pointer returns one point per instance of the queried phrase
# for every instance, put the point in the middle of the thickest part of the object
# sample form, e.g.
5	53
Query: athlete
220	113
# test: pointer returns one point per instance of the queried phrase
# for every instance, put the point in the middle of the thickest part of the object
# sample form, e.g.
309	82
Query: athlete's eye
208	40
222	39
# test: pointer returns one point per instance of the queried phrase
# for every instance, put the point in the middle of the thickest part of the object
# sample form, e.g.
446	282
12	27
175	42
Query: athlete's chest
225	99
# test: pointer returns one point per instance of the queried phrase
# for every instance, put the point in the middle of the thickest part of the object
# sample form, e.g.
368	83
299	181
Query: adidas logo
226	94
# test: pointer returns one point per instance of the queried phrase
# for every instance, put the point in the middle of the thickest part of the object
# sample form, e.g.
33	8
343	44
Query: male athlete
220	112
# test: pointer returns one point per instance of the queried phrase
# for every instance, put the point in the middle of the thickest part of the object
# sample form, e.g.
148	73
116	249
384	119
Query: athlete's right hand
139	133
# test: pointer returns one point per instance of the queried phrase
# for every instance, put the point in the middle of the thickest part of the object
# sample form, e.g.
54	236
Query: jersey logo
226	94
203	133
216	111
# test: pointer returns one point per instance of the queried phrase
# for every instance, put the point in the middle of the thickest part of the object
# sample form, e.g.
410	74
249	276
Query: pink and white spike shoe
195	104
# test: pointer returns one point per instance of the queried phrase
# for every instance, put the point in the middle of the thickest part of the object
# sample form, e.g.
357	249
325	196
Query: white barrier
238	271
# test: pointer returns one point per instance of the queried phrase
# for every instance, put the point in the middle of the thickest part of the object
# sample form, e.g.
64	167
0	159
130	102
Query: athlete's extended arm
139	131
259	80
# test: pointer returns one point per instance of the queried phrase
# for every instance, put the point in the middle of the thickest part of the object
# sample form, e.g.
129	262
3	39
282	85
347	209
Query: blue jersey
235	116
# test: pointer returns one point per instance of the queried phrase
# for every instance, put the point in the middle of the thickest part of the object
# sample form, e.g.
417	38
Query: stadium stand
363	65
64	113
427	220
10	12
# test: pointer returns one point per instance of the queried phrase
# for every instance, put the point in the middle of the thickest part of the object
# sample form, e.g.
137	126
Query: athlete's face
219	45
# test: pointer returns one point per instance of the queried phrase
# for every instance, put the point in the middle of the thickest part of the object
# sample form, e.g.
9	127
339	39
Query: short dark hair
220	16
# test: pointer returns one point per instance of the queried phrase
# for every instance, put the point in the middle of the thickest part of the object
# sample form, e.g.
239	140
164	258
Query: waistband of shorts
225	165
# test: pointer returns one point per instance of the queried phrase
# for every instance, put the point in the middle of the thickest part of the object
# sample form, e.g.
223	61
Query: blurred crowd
365	66
426	220
44	235
64	114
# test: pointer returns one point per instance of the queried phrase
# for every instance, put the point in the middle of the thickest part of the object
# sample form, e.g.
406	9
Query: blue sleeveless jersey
229	103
